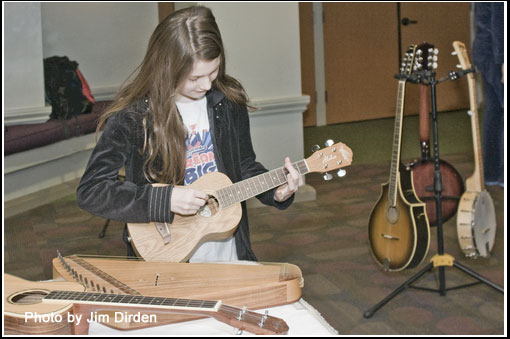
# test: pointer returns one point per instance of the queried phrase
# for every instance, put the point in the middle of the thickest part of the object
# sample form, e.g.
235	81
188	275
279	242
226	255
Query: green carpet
372	141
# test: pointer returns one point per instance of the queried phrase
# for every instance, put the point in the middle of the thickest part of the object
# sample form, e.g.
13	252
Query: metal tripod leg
477	276
442	290
402	287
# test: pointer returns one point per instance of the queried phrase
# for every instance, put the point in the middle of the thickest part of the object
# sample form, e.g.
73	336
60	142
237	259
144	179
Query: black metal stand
439	260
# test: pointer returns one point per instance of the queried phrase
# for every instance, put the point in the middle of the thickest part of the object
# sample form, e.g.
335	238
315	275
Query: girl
181	116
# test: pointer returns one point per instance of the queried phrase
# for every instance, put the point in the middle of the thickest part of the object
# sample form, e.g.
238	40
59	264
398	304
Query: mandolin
399	232
476	217
219	217
423	169
66	308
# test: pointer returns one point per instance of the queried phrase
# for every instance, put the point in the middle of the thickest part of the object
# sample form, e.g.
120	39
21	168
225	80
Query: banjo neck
475	182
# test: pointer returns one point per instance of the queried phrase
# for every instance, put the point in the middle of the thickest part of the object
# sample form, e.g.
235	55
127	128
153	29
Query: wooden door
438	23
360	59
361	56
164	9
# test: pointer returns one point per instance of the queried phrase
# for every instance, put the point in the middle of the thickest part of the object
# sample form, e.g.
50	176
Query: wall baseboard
26	115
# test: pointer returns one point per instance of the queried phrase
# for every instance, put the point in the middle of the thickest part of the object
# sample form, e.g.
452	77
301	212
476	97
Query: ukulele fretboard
256	185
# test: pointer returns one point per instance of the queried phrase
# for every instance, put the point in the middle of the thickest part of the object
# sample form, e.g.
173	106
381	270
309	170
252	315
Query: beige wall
108	40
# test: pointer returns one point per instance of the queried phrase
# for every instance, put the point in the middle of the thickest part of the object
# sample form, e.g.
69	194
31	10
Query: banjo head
476	224
484	230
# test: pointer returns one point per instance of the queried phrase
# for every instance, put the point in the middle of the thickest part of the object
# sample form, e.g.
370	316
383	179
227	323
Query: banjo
476	219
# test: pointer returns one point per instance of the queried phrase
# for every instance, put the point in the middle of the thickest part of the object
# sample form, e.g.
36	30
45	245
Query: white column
23	64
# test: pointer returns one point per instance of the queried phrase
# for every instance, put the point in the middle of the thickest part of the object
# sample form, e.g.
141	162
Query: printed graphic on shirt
199	155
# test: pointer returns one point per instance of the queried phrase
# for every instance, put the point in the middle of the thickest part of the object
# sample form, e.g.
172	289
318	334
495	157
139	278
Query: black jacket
135	200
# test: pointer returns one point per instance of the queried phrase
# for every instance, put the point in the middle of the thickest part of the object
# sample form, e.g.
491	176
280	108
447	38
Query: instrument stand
439	260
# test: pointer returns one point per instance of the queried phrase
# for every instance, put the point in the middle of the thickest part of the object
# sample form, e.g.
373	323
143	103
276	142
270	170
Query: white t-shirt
199	161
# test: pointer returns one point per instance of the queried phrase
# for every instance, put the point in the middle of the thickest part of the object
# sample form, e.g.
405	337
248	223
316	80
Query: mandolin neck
256	185
397	140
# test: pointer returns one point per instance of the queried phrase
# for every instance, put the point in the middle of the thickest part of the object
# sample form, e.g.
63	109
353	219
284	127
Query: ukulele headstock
333	157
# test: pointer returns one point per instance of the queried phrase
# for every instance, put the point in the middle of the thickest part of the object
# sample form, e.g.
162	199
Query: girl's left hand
294	181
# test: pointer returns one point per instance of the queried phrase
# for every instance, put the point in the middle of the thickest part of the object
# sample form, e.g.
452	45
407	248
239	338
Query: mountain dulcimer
250	285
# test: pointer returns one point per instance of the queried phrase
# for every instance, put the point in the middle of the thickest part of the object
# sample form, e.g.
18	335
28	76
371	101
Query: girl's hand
294	181
187	201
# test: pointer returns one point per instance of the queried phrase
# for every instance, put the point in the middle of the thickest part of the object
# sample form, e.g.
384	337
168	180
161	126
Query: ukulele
399	232
476	218
423	169
66	308
219	217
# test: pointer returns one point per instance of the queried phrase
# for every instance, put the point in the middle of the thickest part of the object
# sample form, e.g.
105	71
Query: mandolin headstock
426	57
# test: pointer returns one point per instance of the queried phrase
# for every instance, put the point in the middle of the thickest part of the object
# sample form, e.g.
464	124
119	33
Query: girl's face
199	81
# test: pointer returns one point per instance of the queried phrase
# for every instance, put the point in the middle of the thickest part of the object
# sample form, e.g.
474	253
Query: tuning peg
454	53
327	176
242	312
315	148
341	173
459	66
263	319
329	142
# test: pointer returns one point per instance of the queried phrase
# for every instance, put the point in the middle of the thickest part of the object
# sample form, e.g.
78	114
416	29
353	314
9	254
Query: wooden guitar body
22	296
423	182
187	233
399	235
218	219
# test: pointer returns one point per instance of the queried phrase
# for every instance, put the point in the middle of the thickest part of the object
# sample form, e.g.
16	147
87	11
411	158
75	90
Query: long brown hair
181	38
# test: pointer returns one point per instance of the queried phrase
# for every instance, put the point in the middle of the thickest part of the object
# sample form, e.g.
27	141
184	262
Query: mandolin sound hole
28	298
210	209
392	214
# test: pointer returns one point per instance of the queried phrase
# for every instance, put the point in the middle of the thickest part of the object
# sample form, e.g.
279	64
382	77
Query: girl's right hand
187	201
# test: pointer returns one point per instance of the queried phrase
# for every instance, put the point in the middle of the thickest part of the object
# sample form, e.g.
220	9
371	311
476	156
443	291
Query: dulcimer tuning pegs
315	148
327	176
341	173
329	142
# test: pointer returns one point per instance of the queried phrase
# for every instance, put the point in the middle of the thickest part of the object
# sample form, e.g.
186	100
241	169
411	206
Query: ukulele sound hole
210	208
28	298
